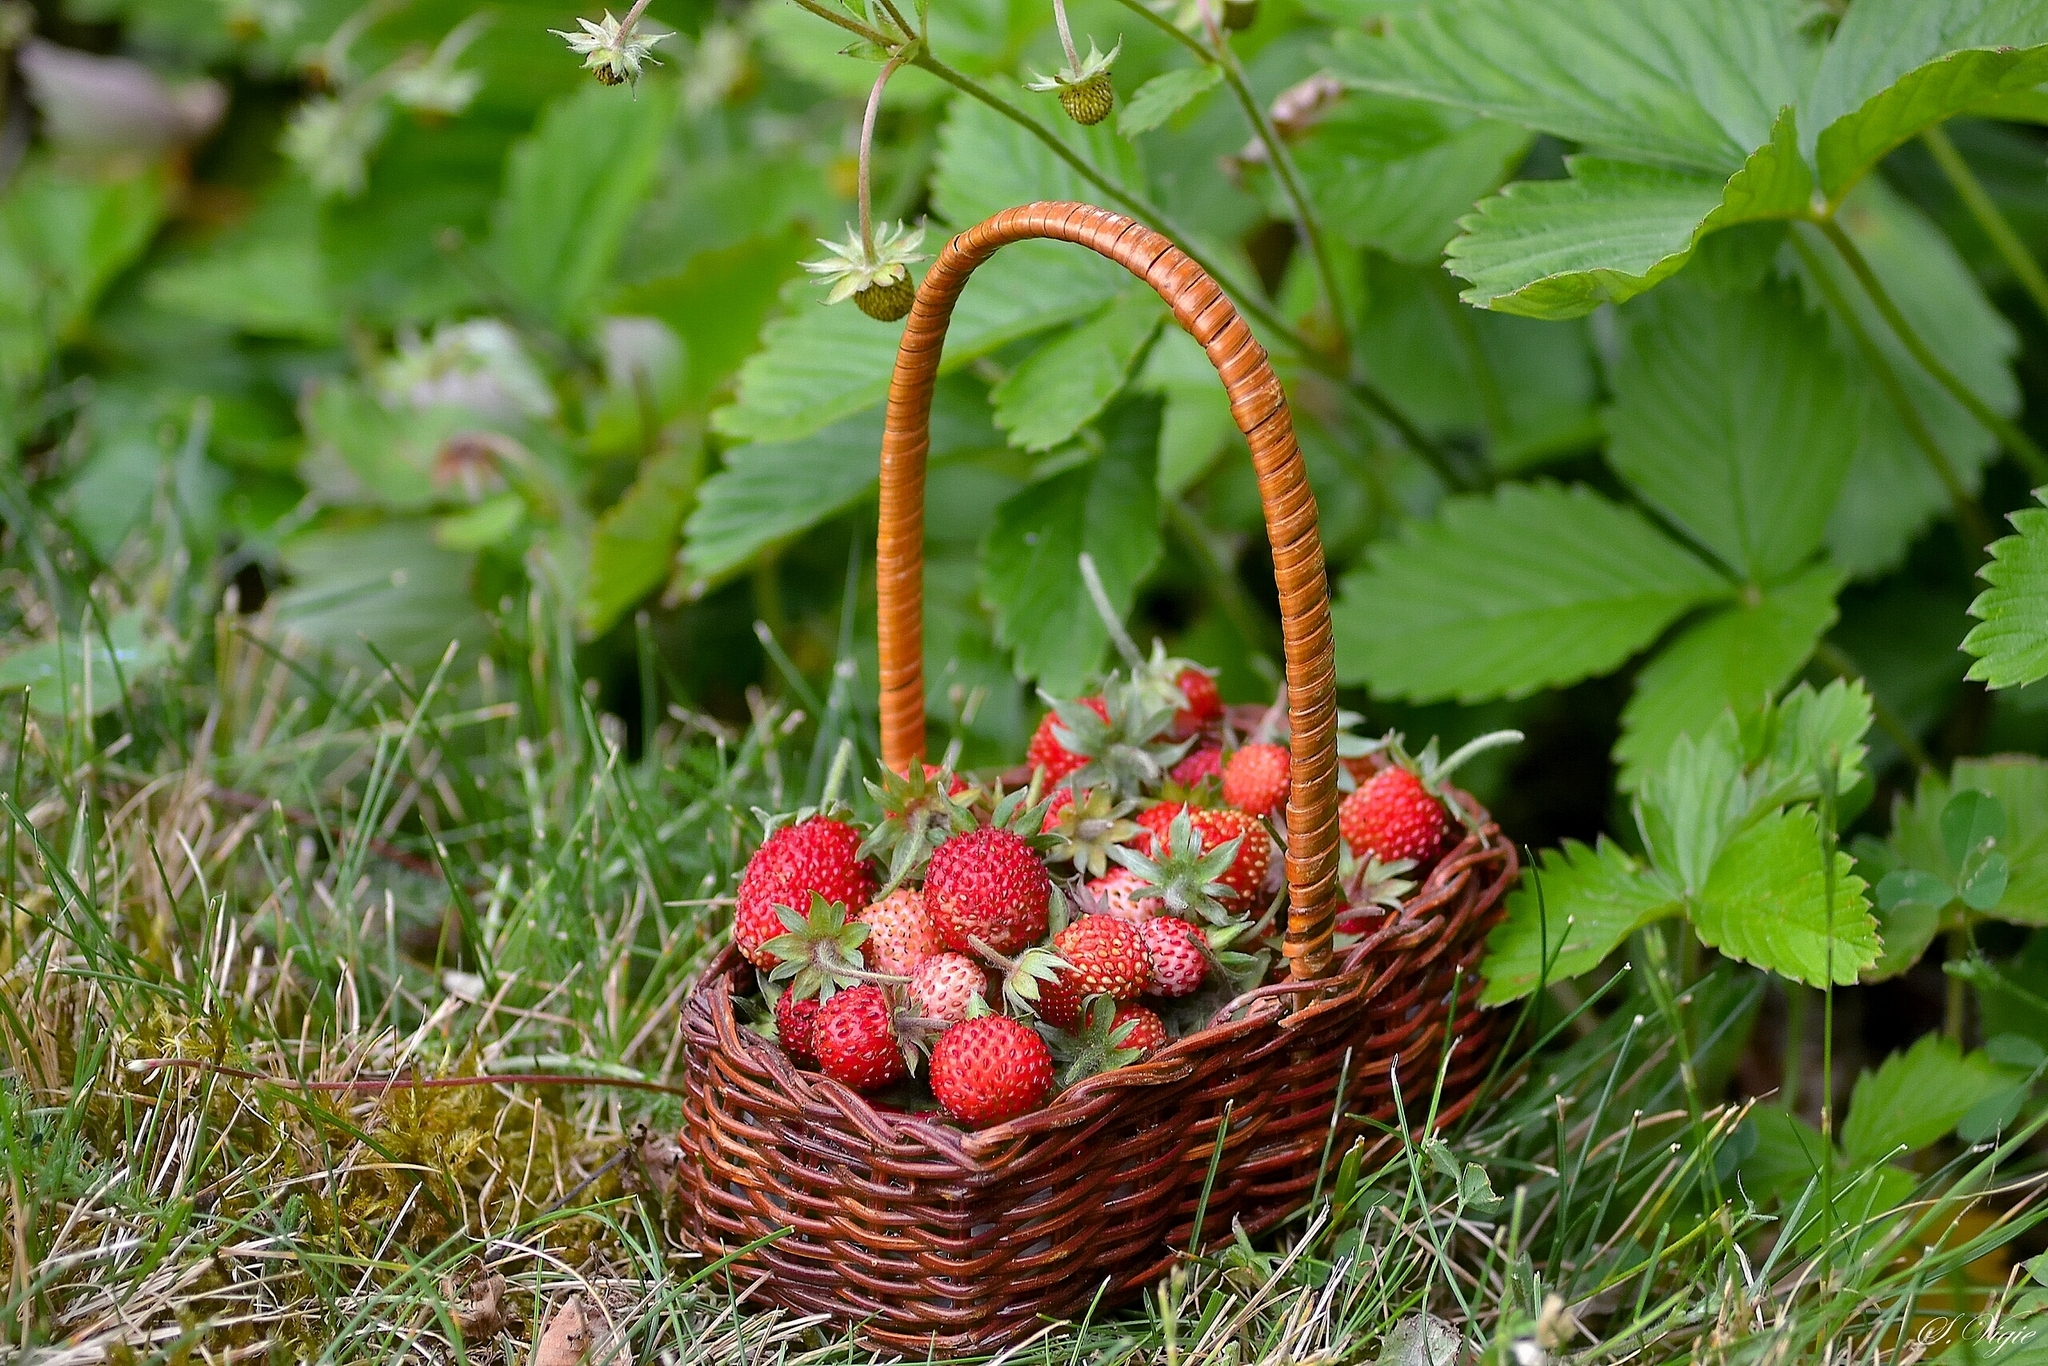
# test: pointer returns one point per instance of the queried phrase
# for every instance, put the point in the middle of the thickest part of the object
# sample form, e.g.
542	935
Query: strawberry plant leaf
55	671
1612	229
1684	85
1160	98
1765	903
986	164
634	542
2019	784
771	490
1695	800
1897	67
1892	495
1592	899
1030	559
1735	658
1915	1098
1792	743
567	205
1394	175
1970	820
1727	419
2010	639
1060	387
1532	587
63	238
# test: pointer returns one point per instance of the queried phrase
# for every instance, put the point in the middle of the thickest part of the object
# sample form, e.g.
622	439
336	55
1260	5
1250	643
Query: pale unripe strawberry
944	984
900	933
1121	893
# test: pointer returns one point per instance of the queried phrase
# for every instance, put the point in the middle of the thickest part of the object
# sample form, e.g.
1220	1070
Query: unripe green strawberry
854	1038
819	856
1089	101
886	302
1255	779
990	1069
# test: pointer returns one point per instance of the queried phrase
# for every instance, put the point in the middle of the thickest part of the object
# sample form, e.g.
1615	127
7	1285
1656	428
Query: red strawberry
794	1019
1045	750
1246	876
1176	950
943	985
1255	779
987	884
1106	957
1198	764
1120	893
1148	1031
900	934
1394	817
819	855
990	1069
1205	704
854	1037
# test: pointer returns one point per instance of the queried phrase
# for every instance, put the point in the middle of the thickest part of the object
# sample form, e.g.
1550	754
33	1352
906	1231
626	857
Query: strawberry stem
632	18
1059	18
867	150
1105	609
1471	748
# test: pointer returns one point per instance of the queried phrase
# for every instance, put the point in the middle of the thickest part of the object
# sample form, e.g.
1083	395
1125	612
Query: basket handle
1261	412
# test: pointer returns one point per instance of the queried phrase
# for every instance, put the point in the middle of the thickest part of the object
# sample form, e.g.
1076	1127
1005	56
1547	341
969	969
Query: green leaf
633	544
571	189
2010	639
1766	903
1790	744
1030	560
1531	588
2019	782
368	454
266	277
75	676
1160	98
1892	494
1915	1098
771	490
717	305
1560	248
1695	800
1970	820
1592	899
1897	67
63	238
386	582
1733	659
1395	175
1694	85
1727	418
1060	387
818	365
987	163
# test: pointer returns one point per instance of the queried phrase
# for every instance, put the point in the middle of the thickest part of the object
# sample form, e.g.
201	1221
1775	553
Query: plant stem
2009	435
1795	1046
1059	19
1838	661
867	148
831	16
1957	1005
1989	217
632	17
1974	523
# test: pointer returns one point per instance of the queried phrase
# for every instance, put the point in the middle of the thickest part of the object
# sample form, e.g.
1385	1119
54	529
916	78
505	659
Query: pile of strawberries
1112	899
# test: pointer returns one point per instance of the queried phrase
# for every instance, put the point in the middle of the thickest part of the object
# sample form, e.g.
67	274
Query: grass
259	887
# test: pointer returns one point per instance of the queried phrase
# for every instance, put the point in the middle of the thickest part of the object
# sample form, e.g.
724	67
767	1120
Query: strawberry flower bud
612	51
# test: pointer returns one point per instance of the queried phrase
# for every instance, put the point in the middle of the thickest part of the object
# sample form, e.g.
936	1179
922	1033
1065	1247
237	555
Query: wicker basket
927	1239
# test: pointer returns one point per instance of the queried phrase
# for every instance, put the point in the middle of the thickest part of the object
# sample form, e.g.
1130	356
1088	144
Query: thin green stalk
1989	216
1795	1046
2010	436
1956	1009
1974	523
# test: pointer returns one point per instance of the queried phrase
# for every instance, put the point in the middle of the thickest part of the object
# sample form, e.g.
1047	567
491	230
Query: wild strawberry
1120	893
1245	878
820	856
1394	817
990	1069
1206	762
987	885
1255	779
1137	1027
1086	828
794	1018
900	934
1177	949
1105	956
854	1038
1204	704
943	985
1045	750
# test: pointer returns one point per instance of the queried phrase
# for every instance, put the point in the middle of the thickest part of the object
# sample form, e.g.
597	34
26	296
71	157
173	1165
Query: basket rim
1261	1010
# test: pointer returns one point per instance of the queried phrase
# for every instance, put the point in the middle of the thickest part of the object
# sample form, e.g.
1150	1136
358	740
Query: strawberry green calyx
612	50
1128	745
1185	878
1373	884
876	277
820	951
1100	1044
1089	828
919	810
1022	976
1435	772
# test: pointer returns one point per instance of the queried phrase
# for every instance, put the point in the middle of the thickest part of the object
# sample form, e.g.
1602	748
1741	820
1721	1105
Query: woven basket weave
924	1238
